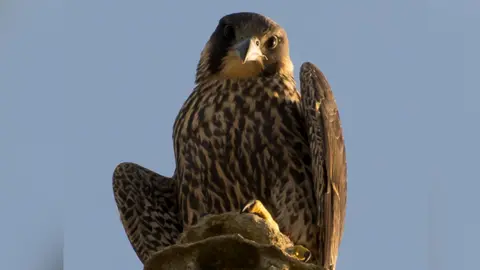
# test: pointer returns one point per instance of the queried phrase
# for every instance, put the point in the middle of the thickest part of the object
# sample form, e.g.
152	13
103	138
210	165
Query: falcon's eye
228	32
272	42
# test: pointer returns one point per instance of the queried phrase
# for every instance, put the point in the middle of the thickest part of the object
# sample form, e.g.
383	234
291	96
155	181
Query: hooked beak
248	50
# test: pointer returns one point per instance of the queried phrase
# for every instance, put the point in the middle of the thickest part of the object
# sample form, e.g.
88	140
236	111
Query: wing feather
148	208
329	166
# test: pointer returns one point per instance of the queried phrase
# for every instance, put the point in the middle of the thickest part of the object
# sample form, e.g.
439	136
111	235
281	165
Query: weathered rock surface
232	241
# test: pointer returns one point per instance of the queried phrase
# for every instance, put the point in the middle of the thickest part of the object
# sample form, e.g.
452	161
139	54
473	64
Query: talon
307	256
247	208
256	207
299	252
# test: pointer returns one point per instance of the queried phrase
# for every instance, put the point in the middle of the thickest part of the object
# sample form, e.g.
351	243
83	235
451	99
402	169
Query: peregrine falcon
245	133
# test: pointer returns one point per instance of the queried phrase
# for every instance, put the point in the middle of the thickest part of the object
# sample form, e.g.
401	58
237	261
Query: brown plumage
246	133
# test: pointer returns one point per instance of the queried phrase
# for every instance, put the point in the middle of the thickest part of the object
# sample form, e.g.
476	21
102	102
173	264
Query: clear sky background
85	85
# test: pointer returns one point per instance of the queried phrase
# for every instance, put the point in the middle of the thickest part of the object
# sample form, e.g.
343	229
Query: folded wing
329	166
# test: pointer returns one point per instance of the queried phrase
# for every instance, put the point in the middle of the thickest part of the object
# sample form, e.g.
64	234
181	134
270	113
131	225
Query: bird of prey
246	133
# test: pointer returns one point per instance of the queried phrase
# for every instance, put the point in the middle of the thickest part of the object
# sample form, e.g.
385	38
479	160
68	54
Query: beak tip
247	50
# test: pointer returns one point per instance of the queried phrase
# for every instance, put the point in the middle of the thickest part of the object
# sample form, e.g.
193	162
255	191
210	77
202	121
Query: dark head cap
245	45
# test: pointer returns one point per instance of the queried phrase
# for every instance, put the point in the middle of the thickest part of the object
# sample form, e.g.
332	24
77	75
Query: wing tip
309	67
311	75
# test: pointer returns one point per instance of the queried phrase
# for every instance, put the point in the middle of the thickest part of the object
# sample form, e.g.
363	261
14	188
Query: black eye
228	32
272	42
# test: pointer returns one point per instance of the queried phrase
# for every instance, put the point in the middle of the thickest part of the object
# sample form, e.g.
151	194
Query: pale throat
233	68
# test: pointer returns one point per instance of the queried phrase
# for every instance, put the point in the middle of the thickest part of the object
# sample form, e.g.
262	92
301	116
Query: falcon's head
245	45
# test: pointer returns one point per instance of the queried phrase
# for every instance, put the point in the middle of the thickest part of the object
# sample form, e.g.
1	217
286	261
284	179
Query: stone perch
246	240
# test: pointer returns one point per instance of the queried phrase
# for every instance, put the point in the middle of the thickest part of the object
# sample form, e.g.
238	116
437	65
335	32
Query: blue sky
86	85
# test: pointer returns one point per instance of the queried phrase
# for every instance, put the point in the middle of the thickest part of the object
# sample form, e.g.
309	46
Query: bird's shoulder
224	101
279	87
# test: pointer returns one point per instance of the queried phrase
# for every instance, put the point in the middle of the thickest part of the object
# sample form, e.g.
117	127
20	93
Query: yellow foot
256	207
300	252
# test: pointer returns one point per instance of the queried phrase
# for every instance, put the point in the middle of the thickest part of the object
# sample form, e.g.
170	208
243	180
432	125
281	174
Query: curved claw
256	207
248	206
300	252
